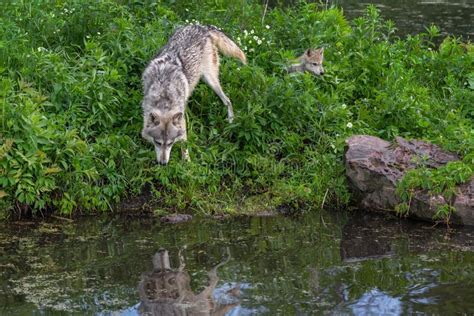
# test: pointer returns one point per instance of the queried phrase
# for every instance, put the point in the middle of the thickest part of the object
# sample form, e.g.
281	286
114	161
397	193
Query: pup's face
163	131
313	61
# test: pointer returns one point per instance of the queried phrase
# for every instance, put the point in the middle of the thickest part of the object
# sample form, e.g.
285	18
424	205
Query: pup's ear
154	119
177	118
321	52
308	52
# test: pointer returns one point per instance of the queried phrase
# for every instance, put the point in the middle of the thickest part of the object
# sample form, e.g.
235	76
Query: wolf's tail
226	45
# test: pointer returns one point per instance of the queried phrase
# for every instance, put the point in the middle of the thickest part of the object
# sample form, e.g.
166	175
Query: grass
71	117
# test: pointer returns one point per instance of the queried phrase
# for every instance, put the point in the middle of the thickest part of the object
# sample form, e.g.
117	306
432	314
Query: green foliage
71	117
441	181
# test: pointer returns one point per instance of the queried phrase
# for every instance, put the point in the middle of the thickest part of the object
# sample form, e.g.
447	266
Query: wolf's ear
308	52
177	118
321	51
154	119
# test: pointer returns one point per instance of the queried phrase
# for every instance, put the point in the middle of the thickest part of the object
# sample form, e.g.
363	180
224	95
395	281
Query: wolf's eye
157	143
315	64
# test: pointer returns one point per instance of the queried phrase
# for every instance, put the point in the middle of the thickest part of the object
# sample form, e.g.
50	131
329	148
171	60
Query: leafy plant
70	105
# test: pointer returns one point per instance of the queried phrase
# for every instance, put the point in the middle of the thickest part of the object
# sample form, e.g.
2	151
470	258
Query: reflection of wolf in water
164	291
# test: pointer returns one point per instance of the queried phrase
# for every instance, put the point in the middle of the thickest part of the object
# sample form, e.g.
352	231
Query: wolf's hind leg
211	77
213	82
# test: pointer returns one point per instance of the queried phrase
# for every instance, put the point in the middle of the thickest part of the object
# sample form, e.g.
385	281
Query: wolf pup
311	61
170	77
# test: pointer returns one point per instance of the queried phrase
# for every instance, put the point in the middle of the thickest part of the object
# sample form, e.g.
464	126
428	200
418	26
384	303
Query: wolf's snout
163	159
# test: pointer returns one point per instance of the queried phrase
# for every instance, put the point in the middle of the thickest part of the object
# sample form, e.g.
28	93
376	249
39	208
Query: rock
176	218
374	166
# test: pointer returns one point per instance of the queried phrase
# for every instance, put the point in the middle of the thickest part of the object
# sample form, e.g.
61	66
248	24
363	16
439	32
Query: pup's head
313	61
163	130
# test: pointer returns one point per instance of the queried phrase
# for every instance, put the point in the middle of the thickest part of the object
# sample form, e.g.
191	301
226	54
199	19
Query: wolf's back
226	45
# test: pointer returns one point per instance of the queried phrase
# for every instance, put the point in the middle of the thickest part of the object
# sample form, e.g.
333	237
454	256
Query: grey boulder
374	166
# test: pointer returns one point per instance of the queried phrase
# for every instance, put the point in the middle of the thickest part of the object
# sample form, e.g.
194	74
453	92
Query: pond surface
357	264
453	17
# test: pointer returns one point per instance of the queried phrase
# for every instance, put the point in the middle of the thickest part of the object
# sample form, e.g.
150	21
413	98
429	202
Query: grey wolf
171	76
311	61
167	291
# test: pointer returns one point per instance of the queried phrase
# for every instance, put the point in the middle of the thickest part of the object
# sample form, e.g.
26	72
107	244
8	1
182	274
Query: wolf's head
312	61
163	130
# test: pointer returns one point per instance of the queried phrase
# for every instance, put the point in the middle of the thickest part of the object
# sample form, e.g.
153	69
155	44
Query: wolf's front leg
185	154
184	148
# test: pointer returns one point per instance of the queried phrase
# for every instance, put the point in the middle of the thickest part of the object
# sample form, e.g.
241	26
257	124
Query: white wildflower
344	106
251	50
255	37
252	31
259	42
267	27
349	125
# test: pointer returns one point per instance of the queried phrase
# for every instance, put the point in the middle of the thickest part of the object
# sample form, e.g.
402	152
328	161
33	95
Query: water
453	17
358	264
337	264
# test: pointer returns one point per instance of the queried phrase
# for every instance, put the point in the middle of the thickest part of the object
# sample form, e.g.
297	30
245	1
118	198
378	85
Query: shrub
71	92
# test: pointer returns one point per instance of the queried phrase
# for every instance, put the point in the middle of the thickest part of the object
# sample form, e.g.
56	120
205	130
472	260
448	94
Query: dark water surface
453	17
357	264
352	265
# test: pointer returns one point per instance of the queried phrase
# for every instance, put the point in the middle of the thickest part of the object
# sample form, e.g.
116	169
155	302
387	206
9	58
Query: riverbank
71	117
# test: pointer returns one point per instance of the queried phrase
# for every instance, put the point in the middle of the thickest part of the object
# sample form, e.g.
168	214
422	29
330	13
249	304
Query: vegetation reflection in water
276	265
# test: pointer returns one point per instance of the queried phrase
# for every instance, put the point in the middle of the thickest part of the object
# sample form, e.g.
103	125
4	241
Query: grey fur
311	61
172	75
167	291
